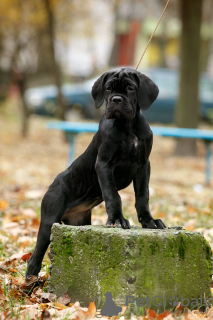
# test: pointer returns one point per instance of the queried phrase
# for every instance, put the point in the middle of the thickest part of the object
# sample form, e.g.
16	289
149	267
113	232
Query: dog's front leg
110	194
141	186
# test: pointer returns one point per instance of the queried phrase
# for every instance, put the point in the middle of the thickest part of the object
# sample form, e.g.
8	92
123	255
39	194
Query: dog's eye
108	88
131	89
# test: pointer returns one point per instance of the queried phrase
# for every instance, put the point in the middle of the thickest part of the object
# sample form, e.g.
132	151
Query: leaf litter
178	195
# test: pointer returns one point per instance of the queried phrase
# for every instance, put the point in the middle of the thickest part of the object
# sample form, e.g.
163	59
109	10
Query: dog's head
125	91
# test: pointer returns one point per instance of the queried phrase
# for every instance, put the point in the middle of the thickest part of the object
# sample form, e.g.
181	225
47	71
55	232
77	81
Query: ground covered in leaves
178	196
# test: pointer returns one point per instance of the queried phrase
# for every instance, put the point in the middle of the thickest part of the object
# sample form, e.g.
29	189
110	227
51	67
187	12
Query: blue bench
74	128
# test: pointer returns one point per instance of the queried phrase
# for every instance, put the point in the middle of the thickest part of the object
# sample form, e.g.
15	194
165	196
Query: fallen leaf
15	293
24	244
2	295
163	315
37	291
43	306
28	301
3	205
46	315
18	218
65	299
29	212
34	194
12	270
194	316
91	312
151	314
210	312
75	312
16	256
190	227
3	270
48	297
207	211
35	223
11	225
124	308
190	209
60	306
26	256
180	310
170	317
30	312
5	314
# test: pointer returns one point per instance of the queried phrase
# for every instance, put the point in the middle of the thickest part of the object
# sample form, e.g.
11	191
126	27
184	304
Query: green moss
182	245
89	261
208	250
154	246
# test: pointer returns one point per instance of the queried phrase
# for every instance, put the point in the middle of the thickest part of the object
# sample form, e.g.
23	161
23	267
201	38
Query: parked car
163	109
42	100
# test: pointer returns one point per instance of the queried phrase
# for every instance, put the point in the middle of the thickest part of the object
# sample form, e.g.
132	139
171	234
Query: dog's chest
136	144
133	148
129	158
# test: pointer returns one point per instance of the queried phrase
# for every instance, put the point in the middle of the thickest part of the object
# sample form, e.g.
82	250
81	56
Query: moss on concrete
89	261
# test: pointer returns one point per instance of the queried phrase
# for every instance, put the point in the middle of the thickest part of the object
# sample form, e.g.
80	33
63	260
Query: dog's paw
159	223
110	223
153	224
124	223
31	281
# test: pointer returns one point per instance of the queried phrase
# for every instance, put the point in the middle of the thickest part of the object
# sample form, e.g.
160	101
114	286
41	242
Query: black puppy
118	154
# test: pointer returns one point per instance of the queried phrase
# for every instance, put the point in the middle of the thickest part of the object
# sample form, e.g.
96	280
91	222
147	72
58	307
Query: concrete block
156	268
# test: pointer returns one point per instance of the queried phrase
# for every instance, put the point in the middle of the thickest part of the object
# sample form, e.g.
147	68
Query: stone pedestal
156	268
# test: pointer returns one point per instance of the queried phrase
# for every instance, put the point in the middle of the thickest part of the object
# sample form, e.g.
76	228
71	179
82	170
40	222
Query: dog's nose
117	99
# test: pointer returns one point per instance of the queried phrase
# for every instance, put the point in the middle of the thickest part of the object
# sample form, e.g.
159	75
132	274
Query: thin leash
153	34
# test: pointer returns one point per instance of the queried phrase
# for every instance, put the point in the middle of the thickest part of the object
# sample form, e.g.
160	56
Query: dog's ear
98	90
147	92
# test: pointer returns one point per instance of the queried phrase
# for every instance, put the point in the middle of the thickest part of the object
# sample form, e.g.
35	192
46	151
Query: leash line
153	34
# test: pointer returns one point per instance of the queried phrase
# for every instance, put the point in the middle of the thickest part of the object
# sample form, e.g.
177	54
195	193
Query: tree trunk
24	109
55	67
20	80
187	112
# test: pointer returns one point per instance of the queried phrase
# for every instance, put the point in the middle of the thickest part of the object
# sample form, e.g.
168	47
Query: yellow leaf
190	227
3	205
60	306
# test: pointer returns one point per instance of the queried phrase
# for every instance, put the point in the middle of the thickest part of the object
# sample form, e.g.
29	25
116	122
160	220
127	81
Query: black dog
118	154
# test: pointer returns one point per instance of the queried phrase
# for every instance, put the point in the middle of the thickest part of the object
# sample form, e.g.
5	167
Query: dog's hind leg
52	209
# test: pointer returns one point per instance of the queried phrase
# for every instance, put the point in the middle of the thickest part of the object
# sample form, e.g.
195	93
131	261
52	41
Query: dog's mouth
118	113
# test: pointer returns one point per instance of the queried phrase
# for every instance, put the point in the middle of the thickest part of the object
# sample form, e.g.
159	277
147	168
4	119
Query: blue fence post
71	154
208	162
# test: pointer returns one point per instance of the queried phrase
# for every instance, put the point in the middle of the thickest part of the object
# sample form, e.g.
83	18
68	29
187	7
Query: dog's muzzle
118	108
